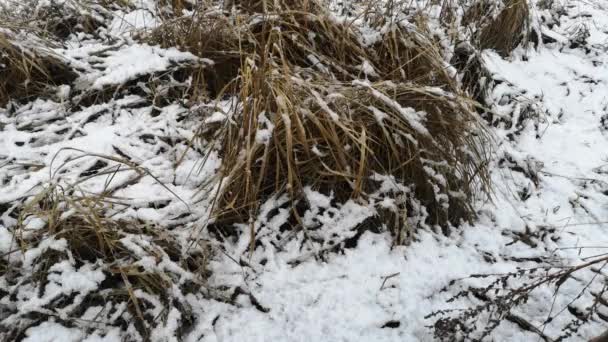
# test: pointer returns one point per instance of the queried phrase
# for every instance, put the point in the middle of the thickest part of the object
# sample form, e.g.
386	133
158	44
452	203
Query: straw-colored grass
54	20
313	41
508	29
210	36
28	71
318	107
335	137
307	119
265	6
476	79
410	55
500	27
94	237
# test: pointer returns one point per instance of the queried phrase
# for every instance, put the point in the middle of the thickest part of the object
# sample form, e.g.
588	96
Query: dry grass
501	28
302	40
476	79
508	29
94	237
479	13
210	36
493	25
57	21
336	137
266	6
168	9
307	41
305	118
409	55
28	71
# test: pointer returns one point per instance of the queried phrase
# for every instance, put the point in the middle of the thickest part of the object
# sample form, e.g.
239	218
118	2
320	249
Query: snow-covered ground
550	204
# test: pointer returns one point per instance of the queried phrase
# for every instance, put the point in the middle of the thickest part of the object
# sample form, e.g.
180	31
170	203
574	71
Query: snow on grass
352	296
374	291
135	60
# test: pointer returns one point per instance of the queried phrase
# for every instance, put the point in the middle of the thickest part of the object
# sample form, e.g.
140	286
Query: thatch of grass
210	36
335	138
265	6
310	41
58	20
306	118
410	55
508	29
27	72
93	236
303	40
478	13
168	9
501	26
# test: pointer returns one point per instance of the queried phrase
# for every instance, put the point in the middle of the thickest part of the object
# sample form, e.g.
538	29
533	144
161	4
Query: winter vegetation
303	170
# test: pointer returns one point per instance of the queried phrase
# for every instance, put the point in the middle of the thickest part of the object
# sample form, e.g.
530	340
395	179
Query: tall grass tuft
142	270
27	68
317	106
509	29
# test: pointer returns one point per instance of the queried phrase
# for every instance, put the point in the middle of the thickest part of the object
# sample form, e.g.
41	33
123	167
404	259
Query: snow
124	23
128	63
52	332
6	240
373	291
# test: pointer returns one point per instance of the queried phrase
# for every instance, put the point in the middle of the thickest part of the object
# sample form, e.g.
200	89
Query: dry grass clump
168	9
57	21
303	40
478	13
476	79
60	22
336	137
143	265
505	32
28	70
496	25
500	27
318	106
410	55
265	6
210	36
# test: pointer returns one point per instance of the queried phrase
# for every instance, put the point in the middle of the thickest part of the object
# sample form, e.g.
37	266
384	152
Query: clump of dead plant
475	78
266	6
211	36
308	40
139	270
505	297
500	26
409	54
57	20
319	107
28	69
336	137
509	29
